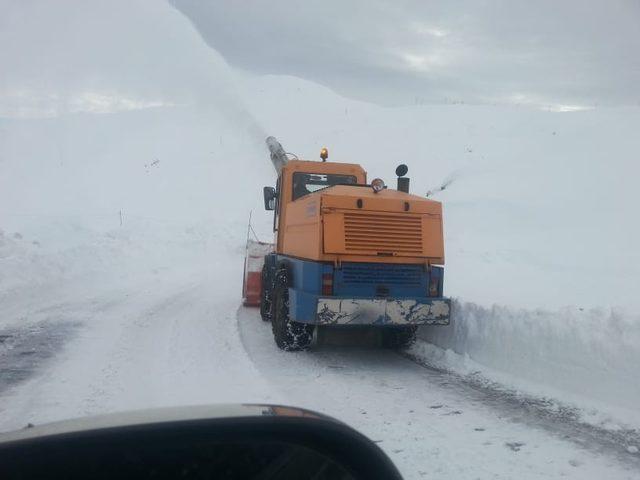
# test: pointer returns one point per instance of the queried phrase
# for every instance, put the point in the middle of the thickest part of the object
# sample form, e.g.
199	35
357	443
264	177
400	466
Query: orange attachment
252	286
252	278
352	223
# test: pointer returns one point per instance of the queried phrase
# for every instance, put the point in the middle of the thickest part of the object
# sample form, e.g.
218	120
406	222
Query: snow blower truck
346	253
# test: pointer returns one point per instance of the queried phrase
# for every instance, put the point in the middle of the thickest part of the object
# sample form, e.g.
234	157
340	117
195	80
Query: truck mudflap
383	311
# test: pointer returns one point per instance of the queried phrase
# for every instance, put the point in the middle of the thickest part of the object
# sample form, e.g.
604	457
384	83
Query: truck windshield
306	183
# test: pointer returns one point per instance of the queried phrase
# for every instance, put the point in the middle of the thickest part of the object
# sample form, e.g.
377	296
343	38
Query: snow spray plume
446	182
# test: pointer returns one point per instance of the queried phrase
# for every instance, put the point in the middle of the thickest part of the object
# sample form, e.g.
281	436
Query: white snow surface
587	359
128	229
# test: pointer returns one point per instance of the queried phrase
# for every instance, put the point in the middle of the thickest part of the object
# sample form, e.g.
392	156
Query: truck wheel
288	335
399	337
266	294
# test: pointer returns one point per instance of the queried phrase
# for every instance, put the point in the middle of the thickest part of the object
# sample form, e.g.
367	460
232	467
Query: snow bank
586	358
57	262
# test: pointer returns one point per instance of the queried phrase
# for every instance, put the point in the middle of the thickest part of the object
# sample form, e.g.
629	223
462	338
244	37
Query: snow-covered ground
585	359
122	229
170	332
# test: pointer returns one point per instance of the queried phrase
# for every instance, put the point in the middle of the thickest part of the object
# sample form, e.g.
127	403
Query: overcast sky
543	52
103	56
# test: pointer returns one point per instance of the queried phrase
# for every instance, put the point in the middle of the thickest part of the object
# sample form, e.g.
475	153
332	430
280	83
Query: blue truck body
364	293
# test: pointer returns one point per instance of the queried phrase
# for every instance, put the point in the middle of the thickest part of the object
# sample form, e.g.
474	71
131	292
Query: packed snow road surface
433	424
165	344
184	341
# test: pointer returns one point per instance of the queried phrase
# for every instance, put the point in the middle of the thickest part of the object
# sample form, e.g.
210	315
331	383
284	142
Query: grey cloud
569	52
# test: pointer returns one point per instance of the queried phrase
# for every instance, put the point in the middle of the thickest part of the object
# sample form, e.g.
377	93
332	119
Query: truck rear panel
352	224
365	294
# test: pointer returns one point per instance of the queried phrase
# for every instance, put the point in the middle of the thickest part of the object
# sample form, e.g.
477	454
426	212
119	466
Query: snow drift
586	358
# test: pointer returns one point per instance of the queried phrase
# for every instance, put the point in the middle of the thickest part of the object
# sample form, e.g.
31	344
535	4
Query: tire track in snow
560	420
178	349
36	336
141	358
25	350
83	375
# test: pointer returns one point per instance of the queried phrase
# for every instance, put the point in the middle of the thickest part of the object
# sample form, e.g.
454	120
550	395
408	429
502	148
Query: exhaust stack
403	182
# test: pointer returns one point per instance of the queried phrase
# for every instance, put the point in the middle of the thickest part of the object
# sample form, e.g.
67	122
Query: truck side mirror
269	198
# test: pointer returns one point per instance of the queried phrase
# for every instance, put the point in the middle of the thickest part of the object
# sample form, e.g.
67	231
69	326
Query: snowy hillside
123	214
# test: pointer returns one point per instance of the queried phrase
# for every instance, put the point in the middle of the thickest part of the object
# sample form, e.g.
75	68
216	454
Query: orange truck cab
348	252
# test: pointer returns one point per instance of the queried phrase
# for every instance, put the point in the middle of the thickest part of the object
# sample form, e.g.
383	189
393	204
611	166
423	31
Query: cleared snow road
161	343
184	341
432	424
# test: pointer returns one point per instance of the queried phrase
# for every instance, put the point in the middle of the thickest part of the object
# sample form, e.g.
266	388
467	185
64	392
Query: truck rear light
327	284
434	286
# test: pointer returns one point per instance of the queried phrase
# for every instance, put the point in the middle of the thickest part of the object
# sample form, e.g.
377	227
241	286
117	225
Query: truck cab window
306	183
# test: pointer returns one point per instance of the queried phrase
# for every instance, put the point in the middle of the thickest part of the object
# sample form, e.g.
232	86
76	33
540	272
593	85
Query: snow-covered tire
289	335
266	294
399	337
